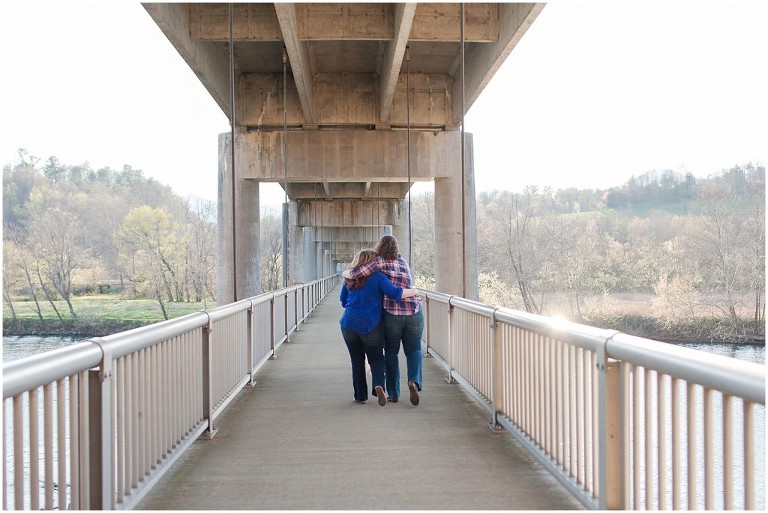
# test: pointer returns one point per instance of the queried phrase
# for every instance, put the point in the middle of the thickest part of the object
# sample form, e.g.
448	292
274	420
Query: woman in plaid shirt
362	328
403	320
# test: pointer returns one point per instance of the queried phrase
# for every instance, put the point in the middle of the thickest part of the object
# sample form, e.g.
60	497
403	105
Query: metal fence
622	422
96	424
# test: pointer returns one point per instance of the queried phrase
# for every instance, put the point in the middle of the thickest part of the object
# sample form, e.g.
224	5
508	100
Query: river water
17	347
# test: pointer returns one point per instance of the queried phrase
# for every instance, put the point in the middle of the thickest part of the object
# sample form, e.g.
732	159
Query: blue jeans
407	328
362	345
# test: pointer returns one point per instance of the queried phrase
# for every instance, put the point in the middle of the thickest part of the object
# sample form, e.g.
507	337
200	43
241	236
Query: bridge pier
361	197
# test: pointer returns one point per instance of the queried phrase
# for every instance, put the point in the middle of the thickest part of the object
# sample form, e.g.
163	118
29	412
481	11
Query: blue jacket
363	307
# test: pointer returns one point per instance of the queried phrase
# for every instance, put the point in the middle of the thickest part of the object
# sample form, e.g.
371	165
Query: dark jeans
407	328
362	345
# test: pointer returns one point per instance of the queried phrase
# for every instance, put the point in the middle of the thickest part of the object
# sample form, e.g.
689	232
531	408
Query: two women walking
381	311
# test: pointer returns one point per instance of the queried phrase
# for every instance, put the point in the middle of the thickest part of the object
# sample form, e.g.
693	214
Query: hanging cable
463	213
285	171
232	144
408	151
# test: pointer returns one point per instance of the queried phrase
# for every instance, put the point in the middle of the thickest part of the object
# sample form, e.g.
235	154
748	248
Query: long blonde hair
361	258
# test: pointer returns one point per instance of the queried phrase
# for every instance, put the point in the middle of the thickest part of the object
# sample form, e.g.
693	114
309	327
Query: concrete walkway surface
298	441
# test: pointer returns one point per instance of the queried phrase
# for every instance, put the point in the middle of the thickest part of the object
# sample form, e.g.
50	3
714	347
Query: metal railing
96	424
606	413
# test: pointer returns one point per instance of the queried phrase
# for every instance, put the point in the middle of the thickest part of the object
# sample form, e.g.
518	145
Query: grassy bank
96	315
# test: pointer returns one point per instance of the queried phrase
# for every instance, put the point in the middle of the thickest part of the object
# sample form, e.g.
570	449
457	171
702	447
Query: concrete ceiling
376	44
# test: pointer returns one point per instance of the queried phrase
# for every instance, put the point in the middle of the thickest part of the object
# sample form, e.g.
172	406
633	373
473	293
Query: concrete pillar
401	231
238	274
309	268
319	253
456	244
295	246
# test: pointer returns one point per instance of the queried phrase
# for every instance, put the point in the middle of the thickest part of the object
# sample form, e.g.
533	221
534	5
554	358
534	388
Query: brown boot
414	389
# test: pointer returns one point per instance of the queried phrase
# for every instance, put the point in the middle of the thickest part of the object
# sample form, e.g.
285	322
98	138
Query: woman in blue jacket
361	325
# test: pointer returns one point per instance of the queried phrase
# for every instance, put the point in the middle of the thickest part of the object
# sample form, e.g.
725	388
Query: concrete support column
309	268
326	262
401	231
456	244
319	254
295	245
237	270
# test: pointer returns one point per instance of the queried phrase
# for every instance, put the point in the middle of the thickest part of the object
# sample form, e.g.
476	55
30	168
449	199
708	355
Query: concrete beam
209	62
348	213
250	22
393	59
298	57
348	190
350	155
442	22
338	21
482	61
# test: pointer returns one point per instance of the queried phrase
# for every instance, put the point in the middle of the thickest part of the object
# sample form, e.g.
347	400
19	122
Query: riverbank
97	316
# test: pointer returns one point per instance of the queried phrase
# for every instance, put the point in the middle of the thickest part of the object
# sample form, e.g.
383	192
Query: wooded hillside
687	254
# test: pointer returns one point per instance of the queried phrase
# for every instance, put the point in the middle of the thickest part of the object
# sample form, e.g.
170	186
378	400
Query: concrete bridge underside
345	105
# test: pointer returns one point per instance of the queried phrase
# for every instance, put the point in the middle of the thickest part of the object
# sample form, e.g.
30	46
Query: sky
594	93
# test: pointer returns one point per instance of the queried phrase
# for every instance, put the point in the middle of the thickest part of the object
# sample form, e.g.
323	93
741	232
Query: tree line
693	251
71	230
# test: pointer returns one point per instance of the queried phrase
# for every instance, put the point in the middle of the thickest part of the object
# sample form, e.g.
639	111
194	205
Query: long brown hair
387	248
362	257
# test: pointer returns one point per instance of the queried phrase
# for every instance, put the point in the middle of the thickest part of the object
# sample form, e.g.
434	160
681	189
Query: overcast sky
594	93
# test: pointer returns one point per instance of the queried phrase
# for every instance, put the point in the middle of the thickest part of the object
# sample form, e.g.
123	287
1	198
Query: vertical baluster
61	430
636	439
709	453
48	443
627	376
580	415
691	425
34	449
120	427
648	432
749	455
74	444
728	476
18	452
661	394
677	447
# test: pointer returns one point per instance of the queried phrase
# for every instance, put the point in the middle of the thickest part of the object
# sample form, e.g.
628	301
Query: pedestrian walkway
298	441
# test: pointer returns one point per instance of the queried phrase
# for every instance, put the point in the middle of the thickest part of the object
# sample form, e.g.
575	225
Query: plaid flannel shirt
400	274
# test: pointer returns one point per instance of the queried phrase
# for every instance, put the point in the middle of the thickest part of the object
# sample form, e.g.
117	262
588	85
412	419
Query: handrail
727	375
564	390
136	399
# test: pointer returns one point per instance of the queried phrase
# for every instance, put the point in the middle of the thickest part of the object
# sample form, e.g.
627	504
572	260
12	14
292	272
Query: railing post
496	371
451	341
611	429
272	326
100	430
285	317
208	376
249	350
296	307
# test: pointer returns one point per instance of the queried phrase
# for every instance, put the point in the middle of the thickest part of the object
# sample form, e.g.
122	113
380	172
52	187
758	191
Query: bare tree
271	251
516	218
57	239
